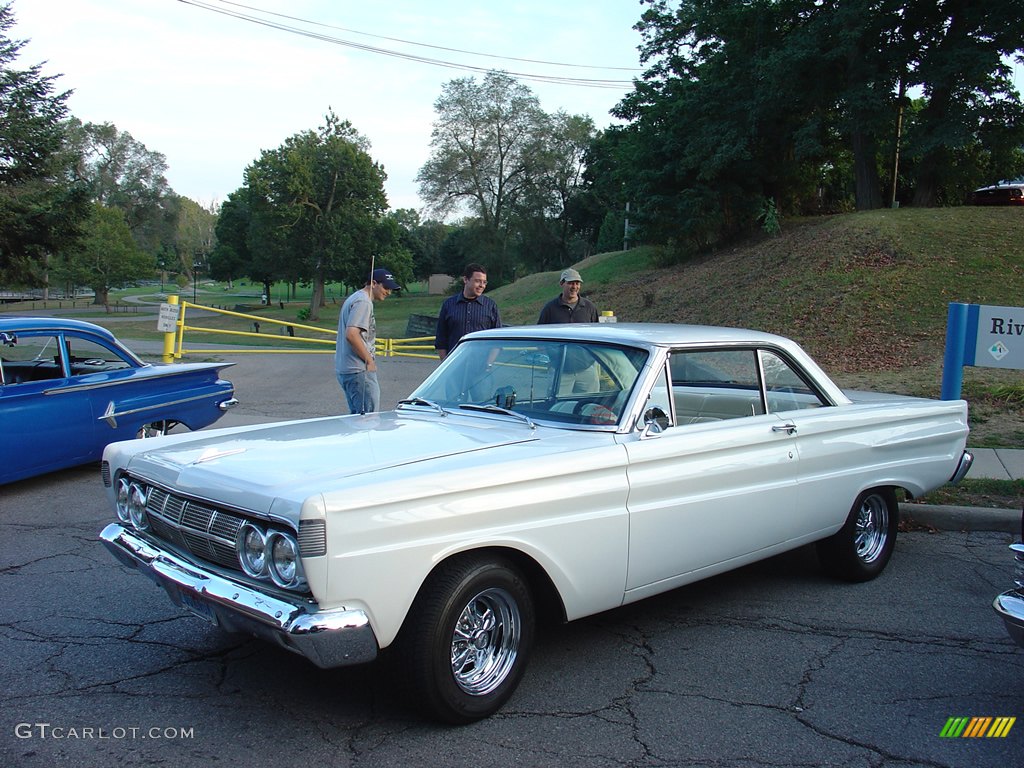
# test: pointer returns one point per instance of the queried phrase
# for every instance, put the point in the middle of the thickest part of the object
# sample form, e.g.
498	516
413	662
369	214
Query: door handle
789	428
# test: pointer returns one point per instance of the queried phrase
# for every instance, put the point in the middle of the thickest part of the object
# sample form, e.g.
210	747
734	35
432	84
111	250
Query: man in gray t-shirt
354	361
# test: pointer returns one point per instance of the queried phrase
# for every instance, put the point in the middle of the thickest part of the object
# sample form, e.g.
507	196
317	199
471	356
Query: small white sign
1000	333
167	321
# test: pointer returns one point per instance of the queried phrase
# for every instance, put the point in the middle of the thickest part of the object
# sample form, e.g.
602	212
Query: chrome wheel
860	550
156	429
485	642
467	639
871	530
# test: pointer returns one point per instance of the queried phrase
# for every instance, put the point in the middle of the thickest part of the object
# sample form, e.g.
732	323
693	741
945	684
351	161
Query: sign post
167	323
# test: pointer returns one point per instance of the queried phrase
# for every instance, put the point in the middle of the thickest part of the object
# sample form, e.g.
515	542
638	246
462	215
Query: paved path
997	464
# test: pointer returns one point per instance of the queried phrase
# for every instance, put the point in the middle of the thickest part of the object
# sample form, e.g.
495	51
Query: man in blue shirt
466	311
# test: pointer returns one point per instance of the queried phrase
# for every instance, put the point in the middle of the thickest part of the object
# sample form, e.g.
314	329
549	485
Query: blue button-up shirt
459	316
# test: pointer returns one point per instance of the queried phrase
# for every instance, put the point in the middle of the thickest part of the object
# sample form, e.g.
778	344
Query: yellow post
170	335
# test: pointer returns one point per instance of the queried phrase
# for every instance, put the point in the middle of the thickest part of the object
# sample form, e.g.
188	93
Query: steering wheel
598	414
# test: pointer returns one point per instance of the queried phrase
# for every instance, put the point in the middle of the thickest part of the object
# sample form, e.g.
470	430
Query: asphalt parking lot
774	664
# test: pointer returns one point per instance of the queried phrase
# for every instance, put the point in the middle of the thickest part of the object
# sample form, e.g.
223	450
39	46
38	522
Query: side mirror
8	339
655	421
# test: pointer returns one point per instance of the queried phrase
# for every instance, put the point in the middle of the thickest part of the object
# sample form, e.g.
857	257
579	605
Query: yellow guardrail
174	340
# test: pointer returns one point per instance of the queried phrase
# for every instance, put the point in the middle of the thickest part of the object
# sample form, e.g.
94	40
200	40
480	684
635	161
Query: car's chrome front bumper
327	638
1010	607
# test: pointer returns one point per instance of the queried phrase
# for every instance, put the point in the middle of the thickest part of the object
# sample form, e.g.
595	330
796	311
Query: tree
41	208
485	149
122	173
194	235
960	55
315	204
746	106
106	257
231	258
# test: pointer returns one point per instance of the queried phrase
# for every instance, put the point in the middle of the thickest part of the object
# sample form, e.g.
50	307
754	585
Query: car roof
25	323
641	334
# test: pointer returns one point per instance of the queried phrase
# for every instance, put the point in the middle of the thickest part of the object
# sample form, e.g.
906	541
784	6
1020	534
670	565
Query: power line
272	24
428	45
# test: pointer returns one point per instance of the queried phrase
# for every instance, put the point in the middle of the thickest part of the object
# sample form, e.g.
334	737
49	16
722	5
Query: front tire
862	547
466	641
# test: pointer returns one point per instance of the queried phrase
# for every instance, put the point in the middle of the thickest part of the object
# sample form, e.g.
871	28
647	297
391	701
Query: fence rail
174	340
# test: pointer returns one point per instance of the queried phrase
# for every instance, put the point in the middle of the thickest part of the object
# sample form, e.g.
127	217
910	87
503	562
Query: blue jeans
361	390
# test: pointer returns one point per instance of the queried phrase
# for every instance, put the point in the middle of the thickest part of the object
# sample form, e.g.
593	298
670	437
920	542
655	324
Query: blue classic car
67	388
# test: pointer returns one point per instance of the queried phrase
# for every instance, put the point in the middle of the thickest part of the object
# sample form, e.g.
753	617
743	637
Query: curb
947	518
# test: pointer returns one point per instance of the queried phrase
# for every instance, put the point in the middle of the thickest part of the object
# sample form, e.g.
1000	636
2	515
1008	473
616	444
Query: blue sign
983	336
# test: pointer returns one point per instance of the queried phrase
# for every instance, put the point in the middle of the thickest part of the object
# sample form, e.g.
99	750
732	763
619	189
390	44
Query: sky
209	90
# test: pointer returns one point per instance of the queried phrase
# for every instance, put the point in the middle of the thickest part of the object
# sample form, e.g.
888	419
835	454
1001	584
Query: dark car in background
68	388
1001	193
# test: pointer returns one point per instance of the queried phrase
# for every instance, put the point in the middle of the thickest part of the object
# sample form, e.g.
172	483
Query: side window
32	358
716	384
88	356
785	388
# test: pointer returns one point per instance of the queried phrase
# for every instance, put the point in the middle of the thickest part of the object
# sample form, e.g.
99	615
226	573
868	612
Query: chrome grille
204	531
210	533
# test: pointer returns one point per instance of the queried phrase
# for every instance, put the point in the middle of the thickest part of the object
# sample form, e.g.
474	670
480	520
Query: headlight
285	568
137	506
122	501
252	550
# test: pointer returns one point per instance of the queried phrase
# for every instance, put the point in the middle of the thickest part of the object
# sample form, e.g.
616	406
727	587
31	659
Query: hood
252	466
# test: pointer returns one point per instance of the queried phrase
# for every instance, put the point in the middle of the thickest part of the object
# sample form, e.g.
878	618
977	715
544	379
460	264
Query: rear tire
156	429
862	547
466	641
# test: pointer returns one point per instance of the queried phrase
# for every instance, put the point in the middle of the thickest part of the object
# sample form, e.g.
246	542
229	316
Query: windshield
568	382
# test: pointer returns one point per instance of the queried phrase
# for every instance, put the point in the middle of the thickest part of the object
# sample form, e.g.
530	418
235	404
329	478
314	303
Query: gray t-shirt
357	311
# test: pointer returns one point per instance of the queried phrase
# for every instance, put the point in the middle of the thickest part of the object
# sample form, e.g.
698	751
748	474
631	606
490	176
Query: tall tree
40	207
316	203
485	148
123	173
960	55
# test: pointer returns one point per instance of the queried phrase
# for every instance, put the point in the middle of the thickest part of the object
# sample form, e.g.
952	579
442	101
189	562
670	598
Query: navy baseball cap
385	278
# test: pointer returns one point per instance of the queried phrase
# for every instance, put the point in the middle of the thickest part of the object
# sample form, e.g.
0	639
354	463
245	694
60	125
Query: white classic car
571	467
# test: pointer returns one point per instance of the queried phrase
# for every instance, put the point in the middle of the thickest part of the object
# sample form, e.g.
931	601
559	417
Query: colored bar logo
977	727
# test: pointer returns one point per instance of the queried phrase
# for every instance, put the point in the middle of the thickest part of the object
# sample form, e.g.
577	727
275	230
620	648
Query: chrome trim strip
327	638
119	382
110	415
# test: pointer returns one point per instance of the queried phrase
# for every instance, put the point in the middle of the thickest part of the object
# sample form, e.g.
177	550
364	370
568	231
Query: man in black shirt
569	307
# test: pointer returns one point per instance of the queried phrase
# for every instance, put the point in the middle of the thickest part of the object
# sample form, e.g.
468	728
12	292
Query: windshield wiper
421	401
498	409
